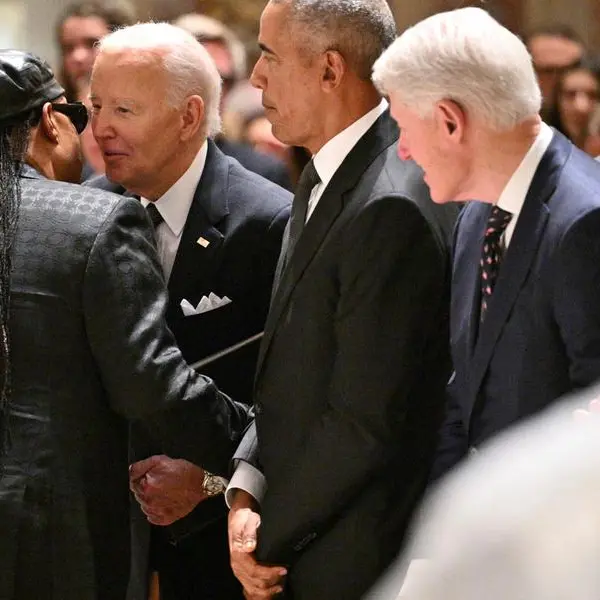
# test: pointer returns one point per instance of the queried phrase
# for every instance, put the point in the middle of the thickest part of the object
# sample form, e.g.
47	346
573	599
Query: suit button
473	451
258	408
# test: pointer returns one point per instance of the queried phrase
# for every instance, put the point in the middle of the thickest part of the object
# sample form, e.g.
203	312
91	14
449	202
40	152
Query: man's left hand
167	489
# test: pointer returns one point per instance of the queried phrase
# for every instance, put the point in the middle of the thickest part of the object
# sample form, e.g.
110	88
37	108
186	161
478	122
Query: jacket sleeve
576	307
391	313
143	371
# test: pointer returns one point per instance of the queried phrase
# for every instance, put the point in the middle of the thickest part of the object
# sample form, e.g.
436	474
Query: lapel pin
203	242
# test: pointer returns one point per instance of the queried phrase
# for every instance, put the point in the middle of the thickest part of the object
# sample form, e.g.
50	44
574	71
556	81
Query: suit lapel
519	258
201	240
377	139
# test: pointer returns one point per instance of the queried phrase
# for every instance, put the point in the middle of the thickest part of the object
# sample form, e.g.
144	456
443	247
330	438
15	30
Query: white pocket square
206	304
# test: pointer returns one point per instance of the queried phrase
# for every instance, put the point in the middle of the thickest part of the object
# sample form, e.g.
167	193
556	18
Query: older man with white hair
525	316
155	94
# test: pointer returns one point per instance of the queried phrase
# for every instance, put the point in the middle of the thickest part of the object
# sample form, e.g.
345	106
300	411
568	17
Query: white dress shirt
327	161
174	206
513	196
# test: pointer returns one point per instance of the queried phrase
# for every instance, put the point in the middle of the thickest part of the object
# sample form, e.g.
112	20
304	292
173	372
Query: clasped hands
260	582
167	489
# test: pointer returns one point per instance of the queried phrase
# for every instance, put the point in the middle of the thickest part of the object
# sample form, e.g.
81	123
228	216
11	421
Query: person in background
155	97
80	27
525	319
553	48
229	55
577	96
592	142
85	354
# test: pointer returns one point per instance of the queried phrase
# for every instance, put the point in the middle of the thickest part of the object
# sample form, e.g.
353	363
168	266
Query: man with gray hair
525	316
155	95
355	359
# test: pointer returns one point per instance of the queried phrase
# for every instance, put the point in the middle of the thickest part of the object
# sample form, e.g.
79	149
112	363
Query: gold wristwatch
213	485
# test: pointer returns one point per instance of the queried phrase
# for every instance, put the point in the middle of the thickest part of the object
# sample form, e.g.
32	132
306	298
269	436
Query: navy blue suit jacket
541	335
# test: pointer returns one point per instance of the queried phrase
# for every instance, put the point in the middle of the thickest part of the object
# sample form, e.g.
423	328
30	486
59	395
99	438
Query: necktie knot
154	214
306	183
497	222
308	179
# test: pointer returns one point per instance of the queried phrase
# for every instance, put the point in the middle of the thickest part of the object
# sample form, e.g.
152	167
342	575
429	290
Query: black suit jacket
541	335
91	353
351	374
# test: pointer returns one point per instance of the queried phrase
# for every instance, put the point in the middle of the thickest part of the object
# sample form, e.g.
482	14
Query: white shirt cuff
247	478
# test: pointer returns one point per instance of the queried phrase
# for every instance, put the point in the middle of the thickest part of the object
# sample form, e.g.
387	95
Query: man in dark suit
218	230
355	358
525	319
85	351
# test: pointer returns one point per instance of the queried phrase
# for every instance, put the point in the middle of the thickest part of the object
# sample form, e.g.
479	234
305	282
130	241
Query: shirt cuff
248	478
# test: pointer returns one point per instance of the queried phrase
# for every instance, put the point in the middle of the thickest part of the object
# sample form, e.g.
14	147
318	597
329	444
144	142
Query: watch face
213	485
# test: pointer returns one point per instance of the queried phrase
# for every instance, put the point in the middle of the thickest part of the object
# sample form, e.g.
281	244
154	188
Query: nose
583	103
257	79
101	125
80	54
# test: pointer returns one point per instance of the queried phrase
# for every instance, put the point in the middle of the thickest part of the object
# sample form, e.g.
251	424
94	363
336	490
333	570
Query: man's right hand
167	489
260	582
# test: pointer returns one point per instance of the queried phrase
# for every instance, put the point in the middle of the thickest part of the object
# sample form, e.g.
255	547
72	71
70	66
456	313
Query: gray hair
190	68
360	30
207	29
466	56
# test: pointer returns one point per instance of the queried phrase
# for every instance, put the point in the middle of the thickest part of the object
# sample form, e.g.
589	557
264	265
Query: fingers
243	527
259	581
140	468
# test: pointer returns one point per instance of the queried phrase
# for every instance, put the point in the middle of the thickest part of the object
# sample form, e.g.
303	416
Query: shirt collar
513	196
329	158
174	204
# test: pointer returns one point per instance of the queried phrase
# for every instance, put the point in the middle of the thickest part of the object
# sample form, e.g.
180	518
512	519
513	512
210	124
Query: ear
450	119
192	117
333	69
48	125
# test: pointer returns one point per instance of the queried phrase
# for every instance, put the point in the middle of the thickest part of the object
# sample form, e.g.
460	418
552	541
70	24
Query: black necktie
491	254
154	214
306	183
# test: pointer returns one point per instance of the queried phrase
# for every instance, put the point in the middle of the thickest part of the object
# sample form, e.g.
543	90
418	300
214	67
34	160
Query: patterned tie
154	215
492	254
306	183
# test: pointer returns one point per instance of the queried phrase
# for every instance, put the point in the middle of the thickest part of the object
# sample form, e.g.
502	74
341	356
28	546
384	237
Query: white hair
466	56
190	68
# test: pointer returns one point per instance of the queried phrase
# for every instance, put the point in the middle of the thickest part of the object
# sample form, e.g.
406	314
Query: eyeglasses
76	111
